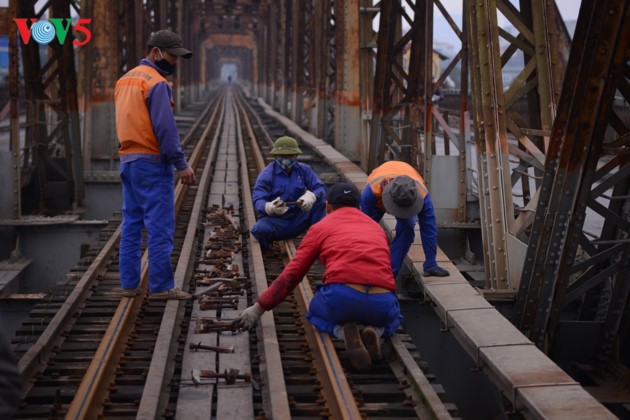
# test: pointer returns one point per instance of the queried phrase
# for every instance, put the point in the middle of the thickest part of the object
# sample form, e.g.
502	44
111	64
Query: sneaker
171	294
372	343
130	293
355	350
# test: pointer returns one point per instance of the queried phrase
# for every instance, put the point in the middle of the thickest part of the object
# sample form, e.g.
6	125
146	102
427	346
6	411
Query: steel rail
155	394
337	391
339	398
93	388
37	356
275	399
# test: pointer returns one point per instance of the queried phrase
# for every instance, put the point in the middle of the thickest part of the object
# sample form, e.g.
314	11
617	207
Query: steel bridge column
321	47
367	54
541	40
11	175
272	59
347	102
284	53
103	62
491	139
52	96
297	61
583	164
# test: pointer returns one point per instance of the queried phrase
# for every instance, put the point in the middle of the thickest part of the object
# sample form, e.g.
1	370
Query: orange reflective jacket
381	176
133	123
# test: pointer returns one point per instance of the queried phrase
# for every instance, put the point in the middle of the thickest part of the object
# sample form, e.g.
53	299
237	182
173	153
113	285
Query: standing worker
398	189
148	145
285	180
358	284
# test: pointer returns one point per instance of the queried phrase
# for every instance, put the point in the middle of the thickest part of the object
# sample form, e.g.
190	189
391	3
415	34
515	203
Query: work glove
436	272
250	317
307	200
276	207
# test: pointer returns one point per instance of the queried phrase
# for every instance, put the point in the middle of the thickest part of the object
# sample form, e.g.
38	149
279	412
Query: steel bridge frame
544	150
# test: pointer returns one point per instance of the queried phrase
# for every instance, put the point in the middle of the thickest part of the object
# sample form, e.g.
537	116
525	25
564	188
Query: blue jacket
274	182
426	218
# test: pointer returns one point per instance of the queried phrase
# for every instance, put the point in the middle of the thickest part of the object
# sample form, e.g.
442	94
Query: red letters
25	32
60	31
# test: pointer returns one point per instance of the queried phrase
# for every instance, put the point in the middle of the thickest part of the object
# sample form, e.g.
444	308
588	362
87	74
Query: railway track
87	352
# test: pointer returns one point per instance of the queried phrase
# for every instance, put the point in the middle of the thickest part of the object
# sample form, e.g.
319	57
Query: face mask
164	65
286	163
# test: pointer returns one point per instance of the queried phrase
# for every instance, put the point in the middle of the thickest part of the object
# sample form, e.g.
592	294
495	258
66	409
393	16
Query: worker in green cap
285	180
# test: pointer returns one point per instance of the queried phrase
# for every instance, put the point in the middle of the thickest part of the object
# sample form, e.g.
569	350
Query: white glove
250	317
276	207
308	199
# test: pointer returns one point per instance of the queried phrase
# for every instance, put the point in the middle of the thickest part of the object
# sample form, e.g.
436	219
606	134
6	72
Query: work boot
372	343
356	351
171	294
131	293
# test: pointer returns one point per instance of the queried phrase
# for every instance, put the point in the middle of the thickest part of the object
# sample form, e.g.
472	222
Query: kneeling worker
286	180
358	284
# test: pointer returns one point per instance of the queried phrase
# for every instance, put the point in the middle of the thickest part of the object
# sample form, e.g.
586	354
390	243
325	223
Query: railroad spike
218	349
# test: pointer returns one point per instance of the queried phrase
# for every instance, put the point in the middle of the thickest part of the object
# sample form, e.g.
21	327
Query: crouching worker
284	181
358	284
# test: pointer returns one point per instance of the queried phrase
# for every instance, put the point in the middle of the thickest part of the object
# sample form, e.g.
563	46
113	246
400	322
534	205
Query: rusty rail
93	389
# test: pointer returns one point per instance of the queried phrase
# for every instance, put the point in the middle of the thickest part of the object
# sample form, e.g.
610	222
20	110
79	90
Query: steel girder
327	67
314	49
511	142
297	75
271	57
52	119
587	168
11	207
103	60
367	58
404	120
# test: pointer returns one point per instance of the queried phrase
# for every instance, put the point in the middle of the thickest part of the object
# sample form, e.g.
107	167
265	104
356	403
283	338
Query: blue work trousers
148	201
335	304
269	229
402	241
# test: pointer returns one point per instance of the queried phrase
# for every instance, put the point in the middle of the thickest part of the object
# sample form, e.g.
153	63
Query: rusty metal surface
579	171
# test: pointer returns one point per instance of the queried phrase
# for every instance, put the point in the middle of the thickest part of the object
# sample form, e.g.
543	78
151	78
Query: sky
448	43
568	8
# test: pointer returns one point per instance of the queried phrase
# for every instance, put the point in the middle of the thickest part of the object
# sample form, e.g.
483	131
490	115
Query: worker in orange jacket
398	189
149	149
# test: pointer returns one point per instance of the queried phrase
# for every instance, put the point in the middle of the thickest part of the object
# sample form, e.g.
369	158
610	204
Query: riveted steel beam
513	116
52	120
567	264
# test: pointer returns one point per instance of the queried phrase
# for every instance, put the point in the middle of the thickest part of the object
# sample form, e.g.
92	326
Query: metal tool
230	376
199	346
207	290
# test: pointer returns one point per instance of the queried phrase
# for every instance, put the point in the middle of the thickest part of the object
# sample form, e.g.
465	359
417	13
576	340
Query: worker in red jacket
358	284
398	189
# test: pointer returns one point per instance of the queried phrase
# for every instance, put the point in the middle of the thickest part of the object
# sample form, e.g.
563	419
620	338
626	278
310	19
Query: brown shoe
372	343
131	293
171	294
356	351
